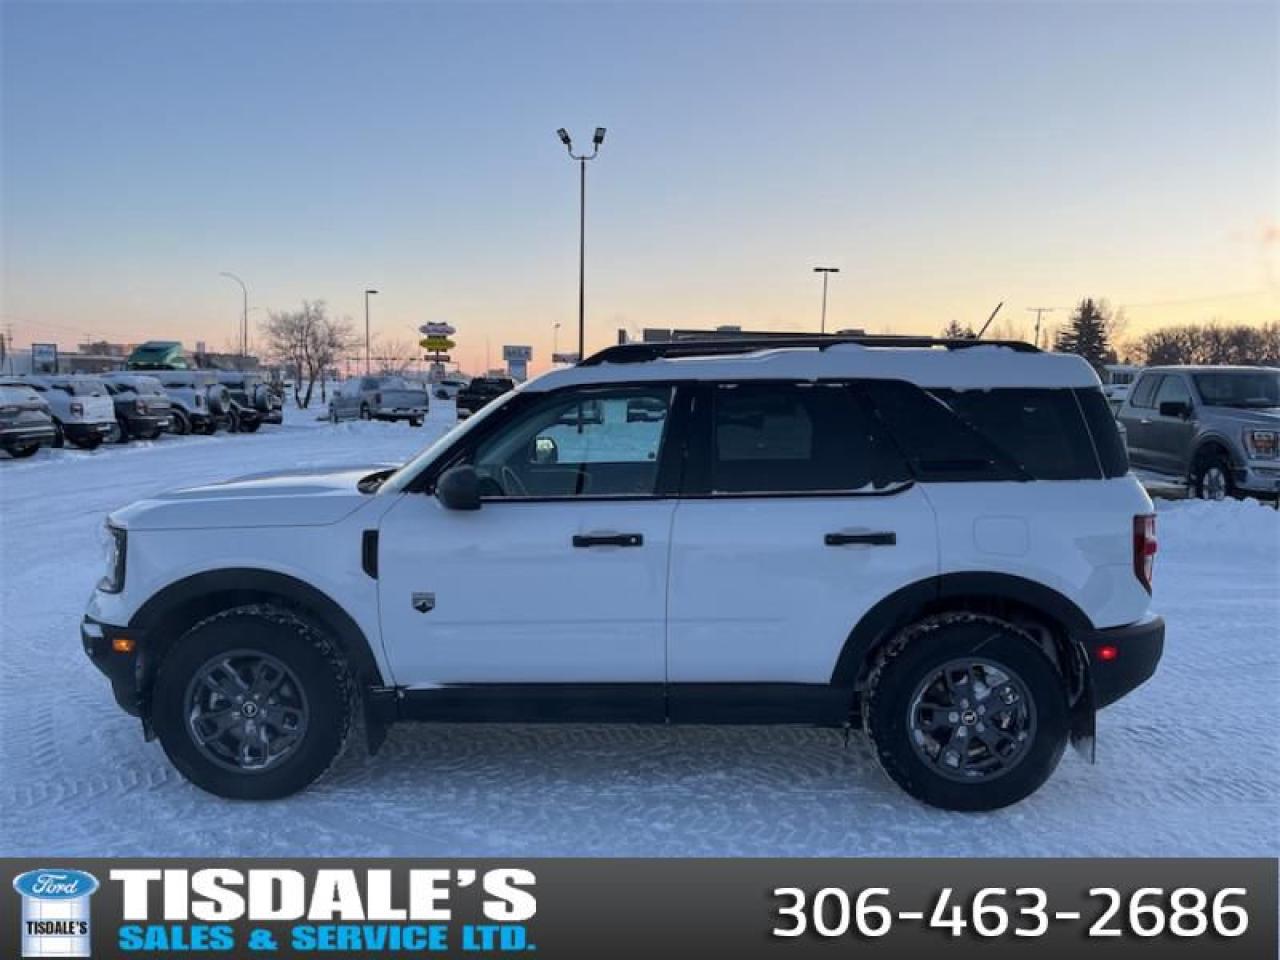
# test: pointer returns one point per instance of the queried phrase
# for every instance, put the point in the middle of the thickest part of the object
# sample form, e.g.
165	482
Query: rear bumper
142	422
25	436
1121	659
76	432
125	669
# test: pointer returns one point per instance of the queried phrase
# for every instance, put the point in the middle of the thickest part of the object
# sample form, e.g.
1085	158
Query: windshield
402	477
1239	388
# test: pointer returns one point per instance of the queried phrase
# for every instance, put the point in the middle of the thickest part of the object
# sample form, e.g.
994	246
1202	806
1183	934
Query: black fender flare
239	585
908	604
1207	440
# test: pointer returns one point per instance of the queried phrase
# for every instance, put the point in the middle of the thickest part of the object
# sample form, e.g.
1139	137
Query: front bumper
126	669
1122	658
1259	477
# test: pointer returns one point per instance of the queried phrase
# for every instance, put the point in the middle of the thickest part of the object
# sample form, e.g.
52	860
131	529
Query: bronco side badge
424	602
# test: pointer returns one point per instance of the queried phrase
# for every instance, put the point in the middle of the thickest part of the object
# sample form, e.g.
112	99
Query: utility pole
826	272
582	159
1038	311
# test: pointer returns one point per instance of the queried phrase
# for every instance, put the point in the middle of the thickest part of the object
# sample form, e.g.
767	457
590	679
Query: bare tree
306	343
395	358
1212	343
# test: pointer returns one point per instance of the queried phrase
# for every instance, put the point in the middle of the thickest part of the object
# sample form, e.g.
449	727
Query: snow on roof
970	368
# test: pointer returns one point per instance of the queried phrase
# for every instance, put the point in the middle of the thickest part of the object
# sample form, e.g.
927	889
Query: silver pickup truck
1214	427
379	398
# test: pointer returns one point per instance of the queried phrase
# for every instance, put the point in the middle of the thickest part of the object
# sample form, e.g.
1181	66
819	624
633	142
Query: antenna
989	319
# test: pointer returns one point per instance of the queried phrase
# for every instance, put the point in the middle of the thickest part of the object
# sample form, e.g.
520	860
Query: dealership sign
437	330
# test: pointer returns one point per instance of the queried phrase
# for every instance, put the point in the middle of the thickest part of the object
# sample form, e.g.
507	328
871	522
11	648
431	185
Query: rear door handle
878	538
608	540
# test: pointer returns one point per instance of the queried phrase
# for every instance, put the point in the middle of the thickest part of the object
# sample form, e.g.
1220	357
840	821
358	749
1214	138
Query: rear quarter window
998	434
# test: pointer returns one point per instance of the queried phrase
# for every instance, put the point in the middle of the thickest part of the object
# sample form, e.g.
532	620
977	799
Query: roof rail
643	352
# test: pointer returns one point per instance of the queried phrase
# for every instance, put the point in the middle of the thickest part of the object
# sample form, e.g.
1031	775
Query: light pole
367	294
582	159
826	272
244	317
555	339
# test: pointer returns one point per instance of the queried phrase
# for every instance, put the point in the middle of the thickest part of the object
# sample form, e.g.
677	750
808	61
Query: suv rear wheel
966	713
253	703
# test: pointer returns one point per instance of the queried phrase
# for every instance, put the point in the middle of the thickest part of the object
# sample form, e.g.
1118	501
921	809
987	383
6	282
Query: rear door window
797	438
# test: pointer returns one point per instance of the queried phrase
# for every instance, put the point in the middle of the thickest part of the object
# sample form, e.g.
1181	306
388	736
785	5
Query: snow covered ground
1190	764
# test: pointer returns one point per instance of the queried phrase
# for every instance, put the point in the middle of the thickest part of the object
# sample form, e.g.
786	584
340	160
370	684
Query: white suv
938	542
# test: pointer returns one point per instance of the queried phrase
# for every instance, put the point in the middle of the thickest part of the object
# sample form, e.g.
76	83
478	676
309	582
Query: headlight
114	543
1262	444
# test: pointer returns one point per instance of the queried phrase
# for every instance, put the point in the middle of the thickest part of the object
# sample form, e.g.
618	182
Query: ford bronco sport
938	542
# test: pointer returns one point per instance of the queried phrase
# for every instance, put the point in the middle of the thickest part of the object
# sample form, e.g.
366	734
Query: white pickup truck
379	398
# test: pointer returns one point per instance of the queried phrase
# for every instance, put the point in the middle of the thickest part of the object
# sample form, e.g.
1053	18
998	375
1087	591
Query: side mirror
458	488
1175	408
545	450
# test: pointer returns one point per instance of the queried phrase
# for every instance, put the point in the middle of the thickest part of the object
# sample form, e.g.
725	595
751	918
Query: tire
119	434
90	442
22	452
249	426
316	691
59	435
1211	477
148	434
364	412
333	414
415	421
181	423
897	699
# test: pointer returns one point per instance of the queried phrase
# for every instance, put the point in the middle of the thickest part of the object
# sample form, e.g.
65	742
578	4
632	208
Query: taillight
140	405
77	409
1144	548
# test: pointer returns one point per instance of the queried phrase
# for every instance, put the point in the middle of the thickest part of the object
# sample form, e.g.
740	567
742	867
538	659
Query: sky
944	156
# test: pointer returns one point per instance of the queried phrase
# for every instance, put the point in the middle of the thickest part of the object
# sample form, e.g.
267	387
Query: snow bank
1231	528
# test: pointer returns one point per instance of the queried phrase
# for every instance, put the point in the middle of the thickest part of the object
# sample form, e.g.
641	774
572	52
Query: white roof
970	368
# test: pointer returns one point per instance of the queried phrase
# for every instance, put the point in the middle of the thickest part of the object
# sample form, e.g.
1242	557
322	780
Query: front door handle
879	538
608	540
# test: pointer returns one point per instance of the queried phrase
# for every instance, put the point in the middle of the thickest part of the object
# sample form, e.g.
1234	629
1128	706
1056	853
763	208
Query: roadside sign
564	357
436	343
44	358
437	330
438	358
510	353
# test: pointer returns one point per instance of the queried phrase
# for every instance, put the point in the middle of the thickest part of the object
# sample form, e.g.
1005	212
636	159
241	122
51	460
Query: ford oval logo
50	884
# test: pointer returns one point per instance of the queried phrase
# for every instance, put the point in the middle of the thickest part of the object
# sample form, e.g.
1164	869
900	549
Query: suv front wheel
253	703
966	713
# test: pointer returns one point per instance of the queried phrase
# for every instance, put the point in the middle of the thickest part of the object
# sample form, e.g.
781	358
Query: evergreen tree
1086	334
957	331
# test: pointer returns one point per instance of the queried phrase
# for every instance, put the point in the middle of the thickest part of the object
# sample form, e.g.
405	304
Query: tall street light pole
582	159
367	293
826	272
244	317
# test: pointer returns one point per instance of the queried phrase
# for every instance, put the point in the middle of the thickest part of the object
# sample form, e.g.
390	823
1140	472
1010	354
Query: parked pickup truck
1217	428
480	391
379	398
25	422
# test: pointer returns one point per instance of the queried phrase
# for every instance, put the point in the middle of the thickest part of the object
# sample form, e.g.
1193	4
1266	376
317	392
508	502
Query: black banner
637	908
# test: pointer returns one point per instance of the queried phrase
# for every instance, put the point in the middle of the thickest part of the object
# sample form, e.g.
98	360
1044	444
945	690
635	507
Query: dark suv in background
1216	427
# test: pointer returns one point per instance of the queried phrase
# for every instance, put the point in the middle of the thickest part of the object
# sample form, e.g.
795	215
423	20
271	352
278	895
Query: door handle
879	538
608	540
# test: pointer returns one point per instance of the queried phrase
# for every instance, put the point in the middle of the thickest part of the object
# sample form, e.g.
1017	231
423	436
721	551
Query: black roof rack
643	352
